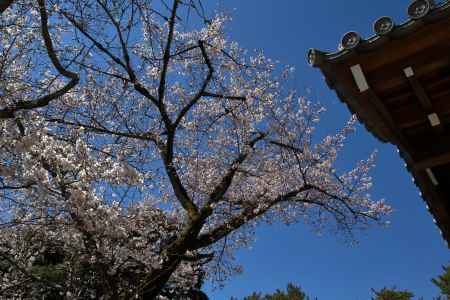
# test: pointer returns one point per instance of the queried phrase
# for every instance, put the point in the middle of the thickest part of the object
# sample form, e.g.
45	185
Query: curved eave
365	115
330	63
430	198
370	122
327	62
376	42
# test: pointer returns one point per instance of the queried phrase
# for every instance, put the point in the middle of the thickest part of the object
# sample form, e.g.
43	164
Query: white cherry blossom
140	147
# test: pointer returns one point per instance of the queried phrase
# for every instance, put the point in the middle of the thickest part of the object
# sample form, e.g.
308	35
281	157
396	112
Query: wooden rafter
424	100
434	161
387	117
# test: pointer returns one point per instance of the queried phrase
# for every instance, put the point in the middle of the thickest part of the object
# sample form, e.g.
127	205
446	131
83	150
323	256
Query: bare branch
214	95
201	92
166	55
125	53
137	136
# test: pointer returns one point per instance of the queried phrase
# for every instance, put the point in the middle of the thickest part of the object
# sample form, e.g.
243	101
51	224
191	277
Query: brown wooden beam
436	160
427	62
420	174
436	202
439	82
401	141
405	48
427	144
435	87
411	115
400	94
424	100
421	94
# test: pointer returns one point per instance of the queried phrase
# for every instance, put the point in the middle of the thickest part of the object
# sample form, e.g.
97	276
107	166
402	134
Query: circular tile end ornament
350	40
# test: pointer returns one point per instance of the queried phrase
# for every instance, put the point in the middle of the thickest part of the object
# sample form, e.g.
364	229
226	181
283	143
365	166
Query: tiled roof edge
317	58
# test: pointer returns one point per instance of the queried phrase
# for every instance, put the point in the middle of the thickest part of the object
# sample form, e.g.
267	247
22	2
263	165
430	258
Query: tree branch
137	136
249	213
126	66
21	187
214	95
221	189
123	45
8	113
201	92
166	55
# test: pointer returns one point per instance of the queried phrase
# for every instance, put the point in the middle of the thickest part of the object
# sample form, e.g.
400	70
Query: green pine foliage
392	294
443	283
292	292
54	271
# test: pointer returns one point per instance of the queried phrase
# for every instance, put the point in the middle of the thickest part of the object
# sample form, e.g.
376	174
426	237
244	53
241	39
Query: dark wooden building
398	84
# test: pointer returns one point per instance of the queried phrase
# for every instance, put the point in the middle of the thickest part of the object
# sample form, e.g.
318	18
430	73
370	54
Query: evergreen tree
292	292
392	294
253	296
443	283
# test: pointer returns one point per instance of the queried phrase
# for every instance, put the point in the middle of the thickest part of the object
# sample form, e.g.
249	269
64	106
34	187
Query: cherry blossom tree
140	147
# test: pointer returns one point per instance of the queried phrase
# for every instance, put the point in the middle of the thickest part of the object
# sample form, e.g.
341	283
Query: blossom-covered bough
139	148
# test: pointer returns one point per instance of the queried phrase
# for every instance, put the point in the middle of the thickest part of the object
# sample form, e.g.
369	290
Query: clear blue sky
408	253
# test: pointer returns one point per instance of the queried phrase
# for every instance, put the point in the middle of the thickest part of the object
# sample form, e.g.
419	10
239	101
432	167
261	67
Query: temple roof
398	84
385	31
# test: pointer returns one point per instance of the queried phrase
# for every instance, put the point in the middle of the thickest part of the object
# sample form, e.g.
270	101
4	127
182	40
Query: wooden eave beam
435	202
410	116
410	48
421	94
363	90
432	162
401	140
385	121
424	100
427	61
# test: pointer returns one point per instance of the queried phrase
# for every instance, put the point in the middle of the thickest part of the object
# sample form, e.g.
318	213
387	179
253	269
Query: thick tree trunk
4	4
159	279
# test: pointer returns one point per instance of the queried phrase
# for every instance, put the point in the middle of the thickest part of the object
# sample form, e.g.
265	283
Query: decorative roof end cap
315	57
384	26
350	40
420	8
